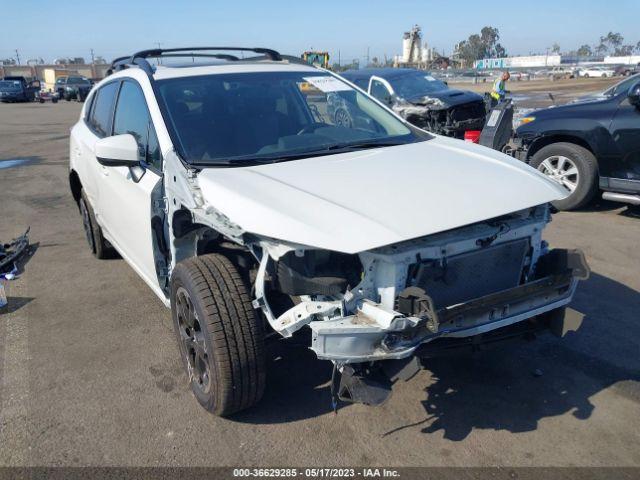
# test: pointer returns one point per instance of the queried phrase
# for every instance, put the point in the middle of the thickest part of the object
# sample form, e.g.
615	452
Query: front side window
623	86
102	109
132	116
273	116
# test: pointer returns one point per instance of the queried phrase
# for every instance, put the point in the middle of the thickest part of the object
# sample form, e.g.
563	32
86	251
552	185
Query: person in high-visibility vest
499	91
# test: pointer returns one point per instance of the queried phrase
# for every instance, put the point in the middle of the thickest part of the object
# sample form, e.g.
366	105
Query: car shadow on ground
297	385
509	388
513	388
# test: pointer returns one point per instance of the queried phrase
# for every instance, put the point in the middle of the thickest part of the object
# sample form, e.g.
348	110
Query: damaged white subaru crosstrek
231	189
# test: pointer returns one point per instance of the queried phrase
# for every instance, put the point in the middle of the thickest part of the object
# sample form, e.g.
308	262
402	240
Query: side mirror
118	151
634	95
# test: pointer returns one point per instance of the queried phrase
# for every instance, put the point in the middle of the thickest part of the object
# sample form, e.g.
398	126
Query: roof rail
140	58
158	52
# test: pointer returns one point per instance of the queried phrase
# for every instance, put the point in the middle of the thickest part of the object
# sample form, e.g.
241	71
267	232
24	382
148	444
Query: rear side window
102	109
132	116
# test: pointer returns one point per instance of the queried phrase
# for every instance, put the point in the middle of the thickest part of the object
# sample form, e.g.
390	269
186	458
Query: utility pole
339	58
17	56
159	47
93	58
367	57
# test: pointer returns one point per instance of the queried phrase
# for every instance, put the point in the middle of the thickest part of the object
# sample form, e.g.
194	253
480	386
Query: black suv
590	143
73	87
422	99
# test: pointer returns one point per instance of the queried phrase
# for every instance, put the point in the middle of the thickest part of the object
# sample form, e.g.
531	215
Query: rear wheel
219	334
97	243
573	167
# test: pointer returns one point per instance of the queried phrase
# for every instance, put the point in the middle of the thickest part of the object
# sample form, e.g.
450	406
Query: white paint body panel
357	201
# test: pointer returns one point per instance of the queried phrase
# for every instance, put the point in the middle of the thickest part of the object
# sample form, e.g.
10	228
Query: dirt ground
535	93
90	373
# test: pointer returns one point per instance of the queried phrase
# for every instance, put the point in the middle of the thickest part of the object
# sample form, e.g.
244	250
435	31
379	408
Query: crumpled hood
446	98
357	201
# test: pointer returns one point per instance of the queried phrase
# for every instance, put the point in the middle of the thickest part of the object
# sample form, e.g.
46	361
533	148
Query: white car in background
229	189
597	72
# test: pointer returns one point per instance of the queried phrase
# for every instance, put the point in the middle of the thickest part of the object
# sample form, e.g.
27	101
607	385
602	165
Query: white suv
227	186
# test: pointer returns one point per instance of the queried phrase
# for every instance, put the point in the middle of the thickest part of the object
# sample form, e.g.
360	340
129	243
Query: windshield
78	80
8	85
623	86
417	84
273	116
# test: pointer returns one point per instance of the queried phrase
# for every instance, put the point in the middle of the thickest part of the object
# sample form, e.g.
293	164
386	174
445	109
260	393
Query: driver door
624	168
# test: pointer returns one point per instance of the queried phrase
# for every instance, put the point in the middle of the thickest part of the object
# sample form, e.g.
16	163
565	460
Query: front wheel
573	167
220	336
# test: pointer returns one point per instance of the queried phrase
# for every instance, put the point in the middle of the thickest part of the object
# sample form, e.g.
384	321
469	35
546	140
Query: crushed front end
437	116
392	302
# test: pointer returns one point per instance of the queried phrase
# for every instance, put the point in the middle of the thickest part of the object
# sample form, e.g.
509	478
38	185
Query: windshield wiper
363	145
331	149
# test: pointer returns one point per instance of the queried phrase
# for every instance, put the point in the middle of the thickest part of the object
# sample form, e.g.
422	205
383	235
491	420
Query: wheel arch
545	141
75	185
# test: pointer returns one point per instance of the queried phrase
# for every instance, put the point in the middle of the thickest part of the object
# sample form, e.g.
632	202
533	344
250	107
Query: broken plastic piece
12	251
370	388
3	295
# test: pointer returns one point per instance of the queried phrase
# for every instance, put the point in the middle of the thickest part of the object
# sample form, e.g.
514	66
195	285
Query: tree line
486	45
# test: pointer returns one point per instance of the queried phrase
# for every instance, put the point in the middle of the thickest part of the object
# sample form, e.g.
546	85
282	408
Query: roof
163	72
386	73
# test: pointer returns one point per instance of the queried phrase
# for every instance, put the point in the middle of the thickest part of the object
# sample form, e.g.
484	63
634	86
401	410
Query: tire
586	179
219	334
586	75
97	243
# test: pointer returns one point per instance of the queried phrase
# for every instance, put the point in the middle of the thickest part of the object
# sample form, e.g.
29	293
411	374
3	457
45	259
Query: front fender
587	133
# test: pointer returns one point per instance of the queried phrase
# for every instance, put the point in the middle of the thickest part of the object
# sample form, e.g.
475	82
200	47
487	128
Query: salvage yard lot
90	373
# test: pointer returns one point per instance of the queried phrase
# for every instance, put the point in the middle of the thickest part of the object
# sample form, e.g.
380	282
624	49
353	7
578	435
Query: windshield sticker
327	84
430	78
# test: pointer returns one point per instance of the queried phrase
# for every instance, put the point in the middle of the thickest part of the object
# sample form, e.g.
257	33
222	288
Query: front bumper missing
364	337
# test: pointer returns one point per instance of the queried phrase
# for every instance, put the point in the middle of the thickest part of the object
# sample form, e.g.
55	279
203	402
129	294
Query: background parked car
73	88
18	89
422	99
589	144
557	73
597	72
627	70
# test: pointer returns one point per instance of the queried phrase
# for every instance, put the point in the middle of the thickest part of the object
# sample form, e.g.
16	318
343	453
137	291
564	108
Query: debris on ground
10	253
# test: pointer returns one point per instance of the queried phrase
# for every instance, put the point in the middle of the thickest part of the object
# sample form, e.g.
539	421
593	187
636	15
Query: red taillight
472	136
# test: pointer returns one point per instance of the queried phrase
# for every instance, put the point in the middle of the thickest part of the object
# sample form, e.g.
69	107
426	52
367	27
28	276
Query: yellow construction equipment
319	59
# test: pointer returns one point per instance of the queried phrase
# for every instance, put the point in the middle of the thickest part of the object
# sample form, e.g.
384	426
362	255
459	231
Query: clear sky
69	28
